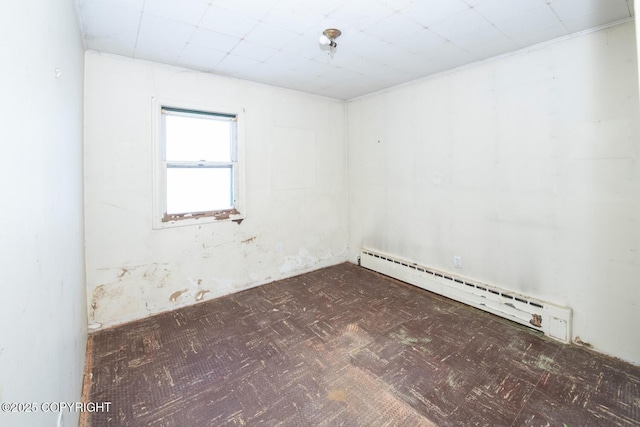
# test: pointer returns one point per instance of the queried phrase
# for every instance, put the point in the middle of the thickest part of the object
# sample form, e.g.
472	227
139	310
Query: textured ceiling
383	42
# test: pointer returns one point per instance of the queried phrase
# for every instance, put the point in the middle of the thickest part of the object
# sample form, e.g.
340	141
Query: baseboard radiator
553	320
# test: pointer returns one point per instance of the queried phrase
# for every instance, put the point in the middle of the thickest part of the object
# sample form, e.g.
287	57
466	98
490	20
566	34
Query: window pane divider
198	114
204	164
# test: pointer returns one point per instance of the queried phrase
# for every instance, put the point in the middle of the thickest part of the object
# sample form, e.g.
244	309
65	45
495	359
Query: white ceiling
383	42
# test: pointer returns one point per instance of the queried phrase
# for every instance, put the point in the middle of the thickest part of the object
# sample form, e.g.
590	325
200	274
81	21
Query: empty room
304	213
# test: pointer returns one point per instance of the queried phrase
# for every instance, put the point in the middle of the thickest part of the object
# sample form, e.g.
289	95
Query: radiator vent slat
553	320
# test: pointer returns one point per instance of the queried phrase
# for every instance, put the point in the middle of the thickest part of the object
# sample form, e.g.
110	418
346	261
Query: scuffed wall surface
43	318
526	167
295	176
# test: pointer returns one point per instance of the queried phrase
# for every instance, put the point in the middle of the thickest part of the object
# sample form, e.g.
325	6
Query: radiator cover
553	320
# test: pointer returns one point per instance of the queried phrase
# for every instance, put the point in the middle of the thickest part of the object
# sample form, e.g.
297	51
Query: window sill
169	221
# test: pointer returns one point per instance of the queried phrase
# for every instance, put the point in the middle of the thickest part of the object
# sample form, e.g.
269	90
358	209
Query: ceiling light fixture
328	38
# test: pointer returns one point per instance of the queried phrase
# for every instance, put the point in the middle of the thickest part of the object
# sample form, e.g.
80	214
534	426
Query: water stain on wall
98	294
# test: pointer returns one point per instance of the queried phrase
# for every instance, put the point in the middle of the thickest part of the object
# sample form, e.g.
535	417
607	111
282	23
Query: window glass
199	189
199	163
191	138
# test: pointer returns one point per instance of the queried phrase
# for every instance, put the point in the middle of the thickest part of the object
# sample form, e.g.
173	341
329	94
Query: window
198	167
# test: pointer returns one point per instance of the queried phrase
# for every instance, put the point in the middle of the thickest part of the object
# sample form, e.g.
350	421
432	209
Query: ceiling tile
538	25
315	68
253	9
105	38
284	59
252	50
366	45
107	10
419	42
101	34
366	67
578	16
270	35
412	66
486	42
428	13
112	43
383	42
276	73
213	40
236	65
393	28
360	14
199	58
260	74
461	24
499	11
321	8
424	68
293	16
524	36
534	23
161	38
398	5
448	55
350	89
336	76
189	12
473	3
227	22
306	46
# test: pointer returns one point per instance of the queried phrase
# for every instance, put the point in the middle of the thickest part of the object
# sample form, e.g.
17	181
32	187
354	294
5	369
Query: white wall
295	191
43	303
526	167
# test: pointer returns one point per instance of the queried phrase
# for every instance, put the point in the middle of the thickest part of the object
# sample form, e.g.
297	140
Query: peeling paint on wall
298	262
98	294
174	296
295	186
536	320
579	341
201	294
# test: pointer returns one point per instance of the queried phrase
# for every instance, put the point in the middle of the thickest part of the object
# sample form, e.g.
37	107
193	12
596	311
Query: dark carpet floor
344	346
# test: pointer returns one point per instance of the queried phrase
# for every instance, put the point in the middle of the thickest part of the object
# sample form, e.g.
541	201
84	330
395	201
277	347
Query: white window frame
238	211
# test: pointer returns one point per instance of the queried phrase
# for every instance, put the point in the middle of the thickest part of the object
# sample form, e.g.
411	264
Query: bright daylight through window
200	152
